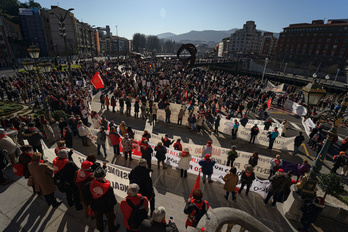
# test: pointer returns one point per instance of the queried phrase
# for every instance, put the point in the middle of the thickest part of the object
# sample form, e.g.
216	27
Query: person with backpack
253	160
3	164
339	161
140	175
231	180
177	145
64	171
134	208
232	155
195	208
100	194
158	223
101	138
82	177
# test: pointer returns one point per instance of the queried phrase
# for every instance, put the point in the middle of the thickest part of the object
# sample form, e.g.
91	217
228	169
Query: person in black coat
157	223
247	178
297	143
102	198
33	135
166	141
146	152
254	132
68	135
66	168
339	161
140	175
136	109
253	160
311	211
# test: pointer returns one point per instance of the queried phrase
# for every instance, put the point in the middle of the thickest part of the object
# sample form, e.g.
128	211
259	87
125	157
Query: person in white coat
184	163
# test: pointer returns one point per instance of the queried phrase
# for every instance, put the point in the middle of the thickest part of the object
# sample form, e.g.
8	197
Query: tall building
10	46
314	42
268	44
246	40
111	45
223	47
33	28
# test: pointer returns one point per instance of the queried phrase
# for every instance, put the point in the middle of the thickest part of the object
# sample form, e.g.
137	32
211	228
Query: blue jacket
274	134
207	166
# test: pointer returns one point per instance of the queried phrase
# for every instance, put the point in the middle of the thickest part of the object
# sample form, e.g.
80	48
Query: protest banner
308	124
275	88
295	108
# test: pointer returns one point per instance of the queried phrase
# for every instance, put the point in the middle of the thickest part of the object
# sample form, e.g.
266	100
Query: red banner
97	81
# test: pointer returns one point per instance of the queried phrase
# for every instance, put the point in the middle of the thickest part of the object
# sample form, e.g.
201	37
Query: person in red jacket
115	140
101	195
191	207
177	145
135	197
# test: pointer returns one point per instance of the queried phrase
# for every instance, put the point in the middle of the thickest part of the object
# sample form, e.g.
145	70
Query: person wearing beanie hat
247	178
102	198
339	161
207	149
280	184
82	177
141	176
64	172
207	167
184	162
232	155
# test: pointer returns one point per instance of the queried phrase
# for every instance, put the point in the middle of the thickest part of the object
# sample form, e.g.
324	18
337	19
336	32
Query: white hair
159	214
133	190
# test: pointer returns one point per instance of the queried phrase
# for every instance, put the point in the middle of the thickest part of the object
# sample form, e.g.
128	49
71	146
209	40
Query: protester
177	145
115	141
3	164
146	135
276	163
146	152
158	222
161	152
123	128
267	124
235	129
34	136
133	201
7	144
184	162
127	147
254	132
166	141
231	180
232	155
42	177
68	135
195	208
101	195
82	130
311	211
253	160
140	175
101	139
272	137
180	116
25	159
297	143
207	149
339	161
247	178
207	167
82	177
302	169
285	127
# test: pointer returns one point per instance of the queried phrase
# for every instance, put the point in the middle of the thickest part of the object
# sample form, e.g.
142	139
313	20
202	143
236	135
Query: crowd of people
145	87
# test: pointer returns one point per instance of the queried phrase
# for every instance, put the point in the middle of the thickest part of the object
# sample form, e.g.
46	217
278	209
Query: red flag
197	183
269	102
97	81
186	94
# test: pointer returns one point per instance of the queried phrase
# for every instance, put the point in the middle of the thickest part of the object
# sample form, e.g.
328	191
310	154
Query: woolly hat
281	170
207	156
99	172
208	142
86	164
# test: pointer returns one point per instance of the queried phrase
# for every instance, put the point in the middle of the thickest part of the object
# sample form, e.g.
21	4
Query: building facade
268	44
246	40
314	42
116	45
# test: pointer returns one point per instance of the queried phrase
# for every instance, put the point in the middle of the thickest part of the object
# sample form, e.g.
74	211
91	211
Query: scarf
82	175
58	164
98	188
248	173
184	154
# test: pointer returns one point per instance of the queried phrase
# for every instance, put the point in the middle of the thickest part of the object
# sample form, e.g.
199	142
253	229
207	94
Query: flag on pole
186	94
97	81
197	183
269	102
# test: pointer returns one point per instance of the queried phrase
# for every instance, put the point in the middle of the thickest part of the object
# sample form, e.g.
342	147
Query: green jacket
232	155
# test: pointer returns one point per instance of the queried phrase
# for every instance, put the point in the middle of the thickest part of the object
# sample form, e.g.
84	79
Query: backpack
18	169
60	182
3	159
138	214
334	157
103	136
199	213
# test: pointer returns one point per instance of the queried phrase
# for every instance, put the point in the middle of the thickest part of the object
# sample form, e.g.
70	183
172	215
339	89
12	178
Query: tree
331	184
139	42
152	42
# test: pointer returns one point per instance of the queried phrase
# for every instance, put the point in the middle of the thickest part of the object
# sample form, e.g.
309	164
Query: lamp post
313	92
338	70
264	69
45	67
63	34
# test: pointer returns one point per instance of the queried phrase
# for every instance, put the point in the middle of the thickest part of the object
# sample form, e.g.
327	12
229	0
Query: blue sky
153	17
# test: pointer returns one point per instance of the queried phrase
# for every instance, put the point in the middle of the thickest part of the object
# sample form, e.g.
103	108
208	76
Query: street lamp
338	70
29	66
264	69
313	92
